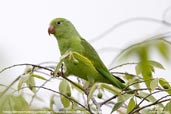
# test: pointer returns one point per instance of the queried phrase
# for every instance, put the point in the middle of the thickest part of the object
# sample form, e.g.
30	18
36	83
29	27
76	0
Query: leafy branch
135	92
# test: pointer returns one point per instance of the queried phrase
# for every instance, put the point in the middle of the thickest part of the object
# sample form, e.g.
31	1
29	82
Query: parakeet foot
87	89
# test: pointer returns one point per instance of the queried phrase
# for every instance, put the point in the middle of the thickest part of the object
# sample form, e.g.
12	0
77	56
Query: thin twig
41	72
124	92
117	25
99	111
2	93
138	105
133	75
106	101
69	98
154	103
138	82
25	64
121	65
63	76
38	90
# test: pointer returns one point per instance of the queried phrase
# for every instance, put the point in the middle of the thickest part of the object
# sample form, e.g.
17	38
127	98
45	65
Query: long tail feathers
116	82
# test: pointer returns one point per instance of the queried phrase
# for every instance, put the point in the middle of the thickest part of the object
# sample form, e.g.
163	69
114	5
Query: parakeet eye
58	22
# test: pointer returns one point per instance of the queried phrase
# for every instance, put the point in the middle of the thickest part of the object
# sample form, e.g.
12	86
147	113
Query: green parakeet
80	58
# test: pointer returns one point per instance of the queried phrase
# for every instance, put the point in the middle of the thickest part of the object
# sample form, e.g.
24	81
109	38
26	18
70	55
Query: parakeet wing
92	55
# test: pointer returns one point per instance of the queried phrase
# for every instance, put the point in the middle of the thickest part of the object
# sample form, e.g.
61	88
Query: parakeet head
61	27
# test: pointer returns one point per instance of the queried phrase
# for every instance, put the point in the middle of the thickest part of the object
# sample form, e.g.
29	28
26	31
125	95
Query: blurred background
24	24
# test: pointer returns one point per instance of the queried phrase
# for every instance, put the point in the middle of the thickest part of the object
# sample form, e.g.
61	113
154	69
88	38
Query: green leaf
38	76
150	98
20	84
3	85
139	50
74	105
138	69
163	48
156	64
64	88
167	108
131	105
125	97
128	76
110	88
65	101
137	85
13	103
154	84
25	77
52	102
146	111
116	106
30	83
135	81
146	70
165	85
132	80
93	88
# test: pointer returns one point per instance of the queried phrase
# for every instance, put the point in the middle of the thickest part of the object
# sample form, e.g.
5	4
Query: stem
154	103
119	24
99	111
25	64
69	98
106	101
121	65
9	86
38	90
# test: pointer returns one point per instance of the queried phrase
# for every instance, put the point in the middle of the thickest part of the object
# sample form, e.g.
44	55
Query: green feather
92	55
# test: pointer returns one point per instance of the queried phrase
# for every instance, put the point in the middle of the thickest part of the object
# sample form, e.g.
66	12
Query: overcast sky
24	24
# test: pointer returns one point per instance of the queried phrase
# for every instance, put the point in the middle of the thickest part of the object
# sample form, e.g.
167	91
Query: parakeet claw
70	54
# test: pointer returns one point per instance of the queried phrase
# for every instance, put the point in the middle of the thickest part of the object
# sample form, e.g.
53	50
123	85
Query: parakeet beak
51	30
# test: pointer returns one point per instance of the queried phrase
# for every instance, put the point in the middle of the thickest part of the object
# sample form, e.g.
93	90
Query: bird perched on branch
79	57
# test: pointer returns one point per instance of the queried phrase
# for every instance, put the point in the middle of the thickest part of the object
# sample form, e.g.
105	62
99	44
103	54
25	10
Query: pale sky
24	24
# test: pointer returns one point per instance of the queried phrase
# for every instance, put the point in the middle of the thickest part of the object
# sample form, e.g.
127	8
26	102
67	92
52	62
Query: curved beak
51	29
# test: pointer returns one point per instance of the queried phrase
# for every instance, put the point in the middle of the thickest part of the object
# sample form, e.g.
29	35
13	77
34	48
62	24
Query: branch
38	90
40	67
63	76
2	93
138	105
106	101
154	103
25	64
124	92
69	98
117	25
137	82
133	75
121	65
98	107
